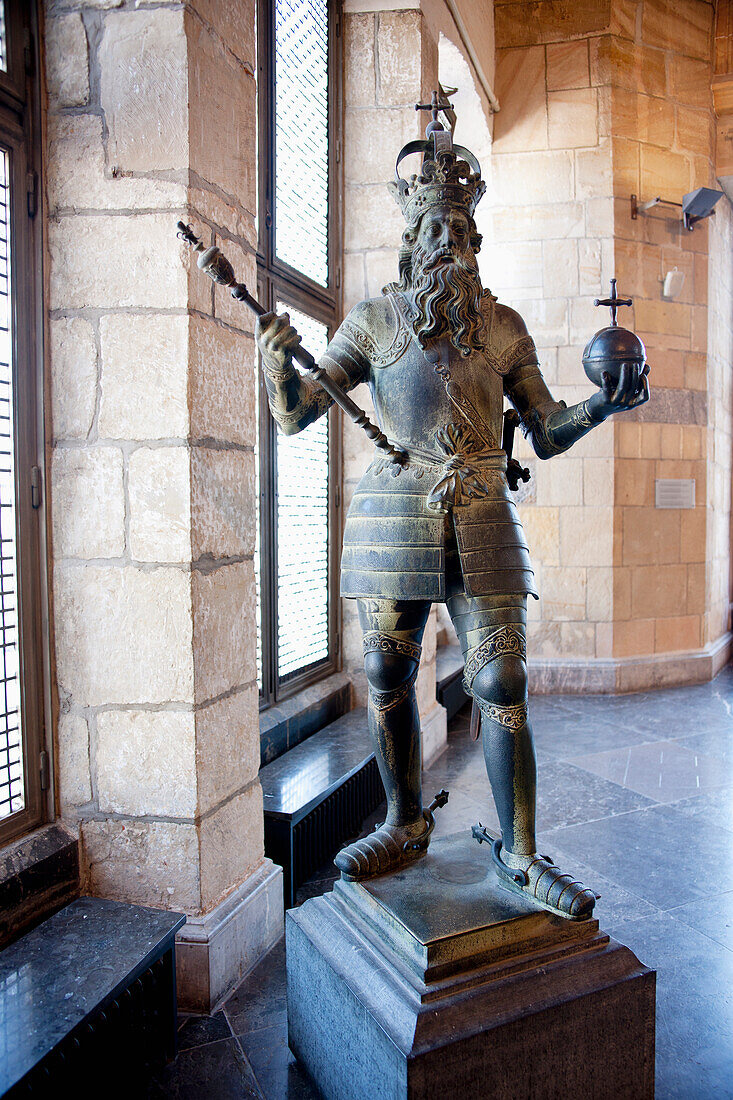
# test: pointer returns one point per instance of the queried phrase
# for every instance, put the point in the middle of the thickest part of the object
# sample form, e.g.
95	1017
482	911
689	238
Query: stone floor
636	798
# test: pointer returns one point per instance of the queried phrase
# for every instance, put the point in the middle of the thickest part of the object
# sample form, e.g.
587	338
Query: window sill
286	724
39	874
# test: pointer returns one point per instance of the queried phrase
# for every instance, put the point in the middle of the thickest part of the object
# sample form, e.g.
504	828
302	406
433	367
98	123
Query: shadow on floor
635	797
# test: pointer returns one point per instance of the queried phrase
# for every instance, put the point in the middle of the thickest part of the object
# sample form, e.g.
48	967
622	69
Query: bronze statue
437	522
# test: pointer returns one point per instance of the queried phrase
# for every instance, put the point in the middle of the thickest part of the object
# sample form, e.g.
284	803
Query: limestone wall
151	118
548	251
719	441
598	102
663	143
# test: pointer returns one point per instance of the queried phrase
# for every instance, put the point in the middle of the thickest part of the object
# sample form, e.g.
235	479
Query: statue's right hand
276	339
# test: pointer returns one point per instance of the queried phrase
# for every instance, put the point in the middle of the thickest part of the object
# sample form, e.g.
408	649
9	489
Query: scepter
219	269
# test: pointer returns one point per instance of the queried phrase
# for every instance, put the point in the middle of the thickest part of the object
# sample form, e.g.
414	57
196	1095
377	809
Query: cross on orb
614	302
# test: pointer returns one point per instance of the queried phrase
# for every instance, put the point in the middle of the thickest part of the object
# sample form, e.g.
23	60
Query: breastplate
426	391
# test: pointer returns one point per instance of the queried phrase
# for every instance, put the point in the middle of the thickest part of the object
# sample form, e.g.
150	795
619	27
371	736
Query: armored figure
439	354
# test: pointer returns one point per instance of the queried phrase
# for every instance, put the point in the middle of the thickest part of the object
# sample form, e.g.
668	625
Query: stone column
390	64
151	117
599	102
669	603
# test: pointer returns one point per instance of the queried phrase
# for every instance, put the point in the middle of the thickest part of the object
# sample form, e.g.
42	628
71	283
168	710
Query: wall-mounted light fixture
695	205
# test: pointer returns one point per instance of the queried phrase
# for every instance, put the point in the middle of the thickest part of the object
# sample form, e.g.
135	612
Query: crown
450	175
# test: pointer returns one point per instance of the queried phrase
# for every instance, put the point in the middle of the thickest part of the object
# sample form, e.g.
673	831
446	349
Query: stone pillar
599	102
668	604
391	63
152	472
548	252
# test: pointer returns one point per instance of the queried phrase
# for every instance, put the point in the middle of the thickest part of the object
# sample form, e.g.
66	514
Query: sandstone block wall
660	67
548	251
598	102
151	439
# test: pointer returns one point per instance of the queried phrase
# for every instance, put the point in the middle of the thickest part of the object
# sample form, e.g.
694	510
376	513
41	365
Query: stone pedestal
436	981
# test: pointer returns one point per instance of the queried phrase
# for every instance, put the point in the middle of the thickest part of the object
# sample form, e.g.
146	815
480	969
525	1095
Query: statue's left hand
631	390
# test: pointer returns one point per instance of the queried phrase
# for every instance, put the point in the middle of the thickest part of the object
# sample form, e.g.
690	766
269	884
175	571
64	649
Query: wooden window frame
279	281
20	133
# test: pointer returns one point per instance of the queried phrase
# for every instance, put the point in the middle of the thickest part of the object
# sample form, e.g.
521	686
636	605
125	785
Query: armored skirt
396	546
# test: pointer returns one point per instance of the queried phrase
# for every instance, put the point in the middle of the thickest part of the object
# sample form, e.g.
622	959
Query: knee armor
496	667
391	665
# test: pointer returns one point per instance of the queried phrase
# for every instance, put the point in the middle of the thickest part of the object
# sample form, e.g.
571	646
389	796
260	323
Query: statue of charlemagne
439	354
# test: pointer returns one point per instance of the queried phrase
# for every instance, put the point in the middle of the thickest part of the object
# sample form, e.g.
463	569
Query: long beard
447	292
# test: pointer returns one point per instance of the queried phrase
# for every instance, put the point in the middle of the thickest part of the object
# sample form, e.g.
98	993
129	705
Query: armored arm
296	400
551	425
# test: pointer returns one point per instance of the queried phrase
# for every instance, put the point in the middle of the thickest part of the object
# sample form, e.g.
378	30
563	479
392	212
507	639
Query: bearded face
444	280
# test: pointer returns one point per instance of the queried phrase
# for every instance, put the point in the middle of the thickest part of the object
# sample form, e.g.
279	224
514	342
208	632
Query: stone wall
152	469
598	102
719	434
548	251
663	144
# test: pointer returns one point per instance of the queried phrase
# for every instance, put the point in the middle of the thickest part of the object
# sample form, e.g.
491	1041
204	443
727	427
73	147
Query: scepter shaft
219	269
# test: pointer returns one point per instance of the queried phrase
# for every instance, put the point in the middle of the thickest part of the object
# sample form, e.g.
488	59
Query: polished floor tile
694	1007
195	1031
657	850
571	734
568	795
279	1075
260	1000
665	771
660	855
215	1071
716	808
713	919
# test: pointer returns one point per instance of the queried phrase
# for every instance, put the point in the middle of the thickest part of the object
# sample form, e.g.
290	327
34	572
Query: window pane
258	535
3	39
302	529
301	136
12	792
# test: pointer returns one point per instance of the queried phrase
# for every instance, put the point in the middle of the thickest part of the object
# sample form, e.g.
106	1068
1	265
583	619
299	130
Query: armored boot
495	674
391	664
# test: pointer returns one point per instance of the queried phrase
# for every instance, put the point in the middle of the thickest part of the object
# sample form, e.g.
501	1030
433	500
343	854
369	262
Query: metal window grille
24	762
12	793
3	39
301	136
299	238
302	529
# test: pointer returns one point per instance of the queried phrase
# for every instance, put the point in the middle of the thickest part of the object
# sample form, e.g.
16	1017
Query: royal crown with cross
450	174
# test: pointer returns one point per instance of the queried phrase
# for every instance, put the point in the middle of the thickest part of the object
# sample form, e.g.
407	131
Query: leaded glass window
298	528
301	136
24	759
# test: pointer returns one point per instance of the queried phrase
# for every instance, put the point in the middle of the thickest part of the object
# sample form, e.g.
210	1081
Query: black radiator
301	845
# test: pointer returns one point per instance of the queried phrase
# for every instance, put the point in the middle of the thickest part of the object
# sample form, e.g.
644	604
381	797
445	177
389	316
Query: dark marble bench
449	679
316	796
88	1001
